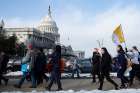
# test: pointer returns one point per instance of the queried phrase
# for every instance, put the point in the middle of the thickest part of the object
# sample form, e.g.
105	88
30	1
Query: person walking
40	67
24	69
33	67
55	72
96	58
122	62
135	64
4	59
106	62
75	69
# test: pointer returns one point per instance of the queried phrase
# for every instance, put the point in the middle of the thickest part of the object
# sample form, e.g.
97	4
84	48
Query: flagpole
124	38
99	43
102	42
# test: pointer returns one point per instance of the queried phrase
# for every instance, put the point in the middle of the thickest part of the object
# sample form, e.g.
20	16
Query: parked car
85	65
69	59
14	64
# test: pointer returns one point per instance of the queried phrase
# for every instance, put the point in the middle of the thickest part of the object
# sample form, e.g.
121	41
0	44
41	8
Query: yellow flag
118	36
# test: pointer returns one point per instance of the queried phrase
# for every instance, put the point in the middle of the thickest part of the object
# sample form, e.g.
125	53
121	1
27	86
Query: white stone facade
80	54
48	26
44	35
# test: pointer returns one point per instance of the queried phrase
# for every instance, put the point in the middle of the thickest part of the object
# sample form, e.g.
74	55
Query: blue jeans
75	71
23	78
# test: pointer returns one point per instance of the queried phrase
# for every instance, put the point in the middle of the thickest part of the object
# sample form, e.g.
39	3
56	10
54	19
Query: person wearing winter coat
40	67
96	58
105	66
24	69
4	59
55	72
75	69
122	62
33	67
135	64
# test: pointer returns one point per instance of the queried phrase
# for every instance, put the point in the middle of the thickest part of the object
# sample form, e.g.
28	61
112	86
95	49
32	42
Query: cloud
20	22
84	30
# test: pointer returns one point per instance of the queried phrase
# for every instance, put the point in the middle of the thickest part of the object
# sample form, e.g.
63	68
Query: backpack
24	67
139	57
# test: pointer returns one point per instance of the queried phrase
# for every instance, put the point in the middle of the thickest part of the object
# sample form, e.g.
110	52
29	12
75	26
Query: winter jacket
55	61
106	62
26	59
56	57
33	55
4	62
134	57
39	65
122	60
96	61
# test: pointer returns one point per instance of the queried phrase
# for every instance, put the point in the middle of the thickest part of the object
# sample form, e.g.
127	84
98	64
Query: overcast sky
82	21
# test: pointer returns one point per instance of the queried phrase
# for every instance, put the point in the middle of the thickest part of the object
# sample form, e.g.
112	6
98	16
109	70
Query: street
68	84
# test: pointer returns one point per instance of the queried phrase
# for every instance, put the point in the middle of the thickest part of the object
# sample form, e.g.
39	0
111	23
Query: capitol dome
48	24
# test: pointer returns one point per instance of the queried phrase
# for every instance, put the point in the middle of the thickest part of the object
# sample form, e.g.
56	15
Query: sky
82	21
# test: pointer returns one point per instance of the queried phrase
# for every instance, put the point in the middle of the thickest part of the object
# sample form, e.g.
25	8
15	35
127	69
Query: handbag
62	65
126	73
129	63
24	67
49	66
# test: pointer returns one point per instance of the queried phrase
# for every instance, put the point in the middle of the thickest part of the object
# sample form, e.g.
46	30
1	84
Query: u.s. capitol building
44	35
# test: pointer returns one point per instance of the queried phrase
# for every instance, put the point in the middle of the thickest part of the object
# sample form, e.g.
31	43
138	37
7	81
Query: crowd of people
34	64
102	67
125	61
